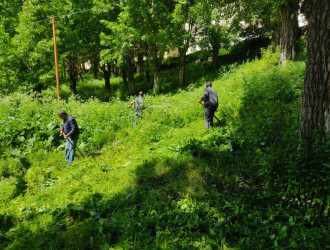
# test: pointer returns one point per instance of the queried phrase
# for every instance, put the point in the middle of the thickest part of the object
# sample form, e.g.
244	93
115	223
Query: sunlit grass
169	183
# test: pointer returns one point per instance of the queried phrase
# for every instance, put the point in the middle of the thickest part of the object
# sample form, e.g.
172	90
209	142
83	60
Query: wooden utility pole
56	63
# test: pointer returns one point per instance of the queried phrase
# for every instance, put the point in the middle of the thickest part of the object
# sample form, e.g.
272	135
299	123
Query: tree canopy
132	36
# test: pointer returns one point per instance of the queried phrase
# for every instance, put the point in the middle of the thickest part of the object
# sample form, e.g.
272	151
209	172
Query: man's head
208	84
141	93
62	114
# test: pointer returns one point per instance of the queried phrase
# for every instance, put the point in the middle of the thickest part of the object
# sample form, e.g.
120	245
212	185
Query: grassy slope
143	187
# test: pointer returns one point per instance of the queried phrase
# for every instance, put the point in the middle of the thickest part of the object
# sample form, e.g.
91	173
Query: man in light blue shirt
139	105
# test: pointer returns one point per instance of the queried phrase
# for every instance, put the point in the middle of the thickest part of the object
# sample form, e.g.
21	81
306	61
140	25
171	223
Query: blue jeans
70	149
136	116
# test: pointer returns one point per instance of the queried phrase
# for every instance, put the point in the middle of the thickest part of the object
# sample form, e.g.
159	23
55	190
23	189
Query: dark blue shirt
210	98
70	127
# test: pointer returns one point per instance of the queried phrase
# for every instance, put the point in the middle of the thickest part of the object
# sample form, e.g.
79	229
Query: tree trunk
39	88
95	64
117	71
131	71
147	70
107	74
95	70
315	105
157	61
113	69
64	69
276	37
156	80
124	74
140	64
215	56
289	32
73	75
182	66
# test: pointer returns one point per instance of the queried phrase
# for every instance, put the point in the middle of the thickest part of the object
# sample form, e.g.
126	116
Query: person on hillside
70	131
210	98
139	105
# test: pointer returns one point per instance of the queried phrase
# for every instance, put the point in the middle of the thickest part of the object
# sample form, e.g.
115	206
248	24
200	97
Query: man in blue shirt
70	132
210	98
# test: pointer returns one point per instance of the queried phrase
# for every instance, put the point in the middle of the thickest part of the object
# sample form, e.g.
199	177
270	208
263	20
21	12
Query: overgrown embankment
168	183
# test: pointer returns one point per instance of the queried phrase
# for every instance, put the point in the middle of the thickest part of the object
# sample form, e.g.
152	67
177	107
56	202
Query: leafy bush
270	107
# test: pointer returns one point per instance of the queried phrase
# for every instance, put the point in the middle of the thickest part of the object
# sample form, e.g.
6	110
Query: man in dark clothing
210	99
139	105
70	132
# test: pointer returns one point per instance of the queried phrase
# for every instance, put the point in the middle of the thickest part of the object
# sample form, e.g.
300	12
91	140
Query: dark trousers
209	114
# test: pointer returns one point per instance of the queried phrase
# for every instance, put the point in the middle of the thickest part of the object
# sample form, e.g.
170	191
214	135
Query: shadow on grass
205	196
181	202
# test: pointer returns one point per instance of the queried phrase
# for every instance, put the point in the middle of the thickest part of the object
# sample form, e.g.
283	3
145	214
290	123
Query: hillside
169	183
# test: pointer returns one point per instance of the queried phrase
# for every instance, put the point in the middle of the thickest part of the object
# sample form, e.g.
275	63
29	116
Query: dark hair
141	93
208	84
61	112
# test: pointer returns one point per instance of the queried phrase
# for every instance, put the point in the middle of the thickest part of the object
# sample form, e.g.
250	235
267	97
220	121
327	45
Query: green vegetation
258	179
169	183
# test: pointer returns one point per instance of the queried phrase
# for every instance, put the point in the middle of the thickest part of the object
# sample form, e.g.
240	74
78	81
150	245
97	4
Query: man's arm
61	131
132	102
204	97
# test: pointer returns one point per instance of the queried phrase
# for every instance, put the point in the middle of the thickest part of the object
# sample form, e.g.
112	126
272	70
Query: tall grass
168	183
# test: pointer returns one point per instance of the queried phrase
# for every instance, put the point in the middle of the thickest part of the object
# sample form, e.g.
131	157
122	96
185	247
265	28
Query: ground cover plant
169	183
